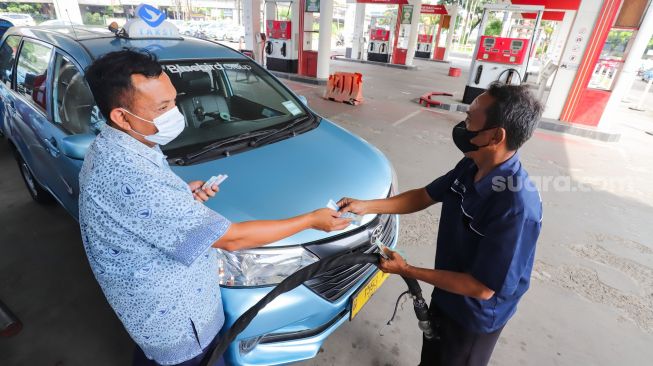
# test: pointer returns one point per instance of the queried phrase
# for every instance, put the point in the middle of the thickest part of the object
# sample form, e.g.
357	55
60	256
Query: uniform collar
153	154
506	169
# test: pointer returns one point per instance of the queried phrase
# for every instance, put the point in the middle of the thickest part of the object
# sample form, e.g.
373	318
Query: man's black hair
516	110
109	77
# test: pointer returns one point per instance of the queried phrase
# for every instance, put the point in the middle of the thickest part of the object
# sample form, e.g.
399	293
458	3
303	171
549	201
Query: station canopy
554	9
389	2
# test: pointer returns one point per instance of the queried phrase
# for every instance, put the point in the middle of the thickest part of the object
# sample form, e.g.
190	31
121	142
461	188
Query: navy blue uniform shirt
487	229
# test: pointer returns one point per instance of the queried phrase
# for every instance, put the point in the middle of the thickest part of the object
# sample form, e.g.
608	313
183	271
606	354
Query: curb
395	66
432	60
588	132
298	78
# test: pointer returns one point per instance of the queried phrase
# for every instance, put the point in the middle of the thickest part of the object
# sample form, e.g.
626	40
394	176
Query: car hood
295	176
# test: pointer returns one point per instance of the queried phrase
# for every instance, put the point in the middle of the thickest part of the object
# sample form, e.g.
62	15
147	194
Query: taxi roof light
149	22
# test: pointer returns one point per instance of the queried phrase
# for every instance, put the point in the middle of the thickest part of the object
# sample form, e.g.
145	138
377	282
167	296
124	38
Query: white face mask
170	125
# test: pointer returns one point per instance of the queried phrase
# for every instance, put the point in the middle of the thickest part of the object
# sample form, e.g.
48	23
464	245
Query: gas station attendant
490	221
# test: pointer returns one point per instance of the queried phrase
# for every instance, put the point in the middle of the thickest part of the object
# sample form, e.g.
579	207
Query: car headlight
263	266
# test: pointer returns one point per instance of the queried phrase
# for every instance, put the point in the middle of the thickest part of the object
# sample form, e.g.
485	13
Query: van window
73	103
7	58
32	72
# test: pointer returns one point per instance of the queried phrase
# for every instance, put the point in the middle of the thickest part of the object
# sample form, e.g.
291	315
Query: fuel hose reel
313	270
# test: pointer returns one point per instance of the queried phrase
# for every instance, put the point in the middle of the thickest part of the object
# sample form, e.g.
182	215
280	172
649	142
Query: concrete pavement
591	300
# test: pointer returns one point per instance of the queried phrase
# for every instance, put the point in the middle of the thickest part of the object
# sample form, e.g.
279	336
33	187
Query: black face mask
462	137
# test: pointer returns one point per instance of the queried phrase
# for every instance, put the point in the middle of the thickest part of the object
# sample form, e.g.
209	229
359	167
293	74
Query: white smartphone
215	180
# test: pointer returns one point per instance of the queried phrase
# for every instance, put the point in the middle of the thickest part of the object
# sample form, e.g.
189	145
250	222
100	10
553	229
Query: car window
7	59
221	99
73	104
32	71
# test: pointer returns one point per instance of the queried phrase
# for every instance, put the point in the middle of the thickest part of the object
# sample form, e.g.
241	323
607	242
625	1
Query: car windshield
222	99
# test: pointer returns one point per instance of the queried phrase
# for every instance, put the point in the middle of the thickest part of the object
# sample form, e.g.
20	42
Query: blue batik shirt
149	245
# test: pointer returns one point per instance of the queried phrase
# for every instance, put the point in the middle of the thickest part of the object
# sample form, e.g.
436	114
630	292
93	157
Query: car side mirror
303	100
75	146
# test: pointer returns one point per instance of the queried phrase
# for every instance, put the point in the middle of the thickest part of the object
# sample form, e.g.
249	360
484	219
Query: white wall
68	10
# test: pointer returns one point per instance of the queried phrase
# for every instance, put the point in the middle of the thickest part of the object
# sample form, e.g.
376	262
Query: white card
292	107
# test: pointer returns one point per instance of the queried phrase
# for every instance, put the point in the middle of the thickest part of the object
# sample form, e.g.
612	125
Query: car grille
333	284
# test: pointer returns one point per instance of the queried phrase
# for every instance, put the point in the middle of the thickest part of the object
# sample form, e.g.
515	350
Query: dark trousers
200	360
455	345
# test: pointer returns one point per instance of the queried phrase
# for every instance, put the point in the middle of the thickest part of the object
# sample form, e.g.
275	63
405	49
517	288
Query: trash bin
399	56
309	63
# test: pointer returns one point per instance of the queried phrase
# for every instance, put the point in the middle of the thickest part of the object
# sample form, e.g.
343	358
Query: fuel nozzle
423	319
415	291
421	308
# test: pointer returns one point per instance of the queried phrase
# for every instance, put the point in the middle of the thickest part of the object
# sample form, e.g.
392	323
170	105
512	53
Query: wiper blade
222	143
279	131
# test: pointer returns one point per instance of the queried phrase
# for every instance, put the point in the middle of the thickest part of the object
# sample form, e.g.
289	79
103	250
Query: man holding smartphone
148	236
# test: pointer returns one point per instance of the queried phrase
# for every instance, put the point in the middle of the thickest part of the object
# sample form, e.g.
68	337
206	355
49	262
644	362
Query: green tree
429	22
93	19
615	44
112	10
475	15
648	47
494	28
388	16
283	13
22	8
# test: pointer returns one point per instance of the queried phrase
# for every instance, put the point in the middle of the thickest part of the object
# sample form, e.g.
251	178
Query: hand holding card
355	219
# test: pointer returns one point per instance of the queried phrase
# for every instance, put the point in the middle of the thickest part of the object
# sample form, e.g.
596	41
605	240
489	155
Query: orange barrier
345	87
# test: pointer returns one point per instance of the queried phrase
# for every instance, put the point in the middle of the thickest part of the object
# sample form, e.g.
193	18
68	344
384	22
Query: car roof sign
150	22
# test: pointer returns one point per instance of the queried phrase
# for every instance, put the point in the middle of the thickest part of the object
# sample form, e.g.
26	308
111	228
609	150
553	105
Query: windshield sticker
292	107
180	69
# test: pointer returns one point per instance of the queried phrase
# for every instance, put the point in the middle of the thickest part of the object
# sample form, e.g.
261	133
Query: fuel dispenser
500	59
379	48
280	48
424	43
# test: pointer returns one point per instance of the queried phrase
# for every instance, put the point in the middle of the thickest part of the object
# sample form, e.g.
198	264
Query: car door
75	122
8	52
31	130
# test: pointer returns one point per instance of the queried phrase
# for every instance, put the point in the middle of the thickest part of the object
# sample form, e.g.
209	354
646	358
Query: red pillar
584	105
300	48
398	55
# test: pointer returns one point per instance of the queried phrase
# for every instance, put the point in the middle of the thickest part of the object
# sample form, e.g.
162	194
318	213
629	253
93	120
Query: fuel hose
313	270
9	324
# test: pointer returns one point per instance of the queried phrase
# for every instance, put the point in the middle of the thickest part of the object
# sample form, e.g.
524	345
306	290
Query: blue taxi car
282	159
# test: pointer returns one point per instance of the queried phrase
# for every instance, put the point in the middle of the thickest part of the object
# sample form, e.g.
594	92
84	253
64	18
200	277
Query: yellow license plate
363	295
